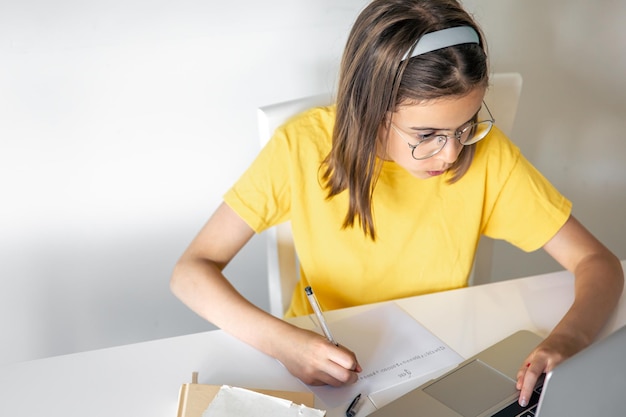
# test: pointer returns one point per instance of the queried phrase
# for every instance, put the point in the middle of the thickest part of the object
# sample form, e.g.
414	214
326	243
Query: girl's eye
432	136
425	136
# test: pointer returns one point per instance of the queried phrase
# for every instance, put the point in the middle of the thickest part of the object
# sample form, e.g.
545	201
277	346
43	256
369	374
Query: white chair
282	262
502	98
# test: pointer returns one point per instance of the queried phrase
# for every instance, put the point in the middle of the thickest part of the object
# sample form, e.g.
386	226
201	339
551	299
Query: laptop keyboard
516	410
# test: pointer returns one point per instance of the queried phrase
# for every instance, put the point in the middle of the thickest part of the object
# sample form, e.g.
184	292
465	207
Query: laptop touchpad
472	389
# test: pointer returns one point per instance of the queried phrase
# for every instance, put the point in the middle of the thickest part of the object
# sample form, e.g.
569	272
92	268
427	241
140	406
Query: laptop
484	385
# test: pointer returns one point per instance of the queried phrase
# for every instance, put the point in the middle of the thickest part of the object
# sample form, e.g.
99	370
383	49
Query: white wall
123	122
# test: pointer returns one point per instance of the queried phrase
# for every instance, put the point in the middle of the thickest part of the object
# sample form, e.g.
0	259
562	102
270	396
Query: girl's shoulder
316	119
496	148
311	128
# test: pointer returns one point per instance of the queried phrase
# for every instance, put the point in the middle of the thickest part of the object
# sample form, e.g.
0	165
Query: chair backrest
283	271
503	97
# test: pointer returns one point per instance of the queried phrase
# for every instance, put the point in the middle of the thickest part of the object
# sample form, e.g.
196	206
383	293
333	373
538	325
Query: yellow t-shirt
427	230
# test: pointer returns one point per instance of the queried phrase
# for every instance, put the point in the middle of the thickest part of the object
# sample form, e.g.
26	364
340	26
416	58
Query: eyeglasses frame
457	135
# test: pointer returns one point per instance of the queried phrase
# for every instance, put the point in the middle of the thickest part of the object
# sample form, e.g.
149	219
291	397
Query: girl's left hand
548	354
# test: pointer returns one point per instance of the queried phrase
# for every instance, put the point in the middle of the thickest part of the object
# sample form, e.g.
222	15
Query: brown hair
374	81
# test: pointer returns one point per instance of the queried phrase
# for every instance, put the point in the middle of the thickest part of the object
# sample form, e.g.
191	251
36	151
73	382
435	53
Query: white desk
143	379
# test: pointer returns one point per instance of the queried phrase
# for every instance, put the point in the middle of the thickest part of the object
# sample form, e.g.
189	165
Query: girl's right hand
315	361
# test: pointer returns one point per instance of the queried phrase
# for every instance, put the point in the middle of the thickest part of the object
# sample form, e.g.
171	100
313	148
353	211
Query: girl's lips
434	173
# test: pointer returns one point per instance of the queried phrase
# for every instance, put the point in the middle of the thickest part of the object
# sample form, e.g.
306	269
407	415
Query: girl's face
413	122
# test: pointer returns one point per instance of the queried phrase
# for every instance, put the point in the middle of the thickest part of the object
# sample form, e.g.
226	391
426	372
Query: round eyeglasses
432	143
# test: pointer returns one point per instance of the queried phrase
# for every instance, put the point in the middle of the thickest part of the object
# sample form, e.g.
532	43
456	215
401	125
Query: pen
351	412
320	317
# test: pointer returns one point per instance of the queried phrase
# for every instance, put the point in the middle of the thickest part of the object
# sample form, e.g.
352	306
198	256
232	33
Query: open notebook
392	348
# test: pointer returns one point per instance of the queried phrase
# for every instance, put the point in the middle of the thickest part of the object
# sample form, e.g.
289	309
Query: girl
388	193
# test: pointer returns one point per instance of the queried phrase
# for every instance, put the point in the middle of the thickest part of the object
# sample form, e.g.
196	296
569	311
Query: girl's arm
198	282
599	281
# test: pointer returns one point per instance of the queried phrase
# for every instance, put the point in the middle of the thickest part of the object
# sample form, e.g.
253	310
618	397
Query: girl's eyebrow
417	128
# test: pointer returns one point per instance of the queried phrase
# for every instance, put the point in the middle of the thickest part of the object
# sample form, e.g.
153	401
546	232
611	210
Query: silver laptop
484	385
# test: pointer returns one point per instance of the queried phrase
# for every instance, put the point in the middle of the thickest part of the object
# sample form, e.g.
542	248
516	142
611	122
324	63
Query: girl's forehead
444	112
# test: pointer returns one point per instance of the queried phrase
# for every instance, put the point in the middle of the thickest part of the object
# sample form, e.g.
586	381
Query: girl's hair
374	81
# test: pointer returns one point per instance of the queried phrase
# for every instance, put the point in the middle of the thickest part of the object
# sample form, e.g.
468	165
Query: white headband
442	39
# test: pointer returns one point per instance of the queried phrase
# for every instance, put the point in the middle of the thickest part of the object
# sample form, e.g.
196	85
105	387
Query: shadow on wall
85	301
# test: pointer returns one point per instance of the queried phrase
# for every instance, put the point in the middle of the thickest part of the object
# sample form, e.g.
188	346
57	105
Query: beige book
194	398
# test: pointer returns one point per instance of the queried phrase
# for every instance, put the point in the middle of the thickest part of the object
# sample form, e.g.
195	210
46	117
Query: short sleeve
261	196
528	210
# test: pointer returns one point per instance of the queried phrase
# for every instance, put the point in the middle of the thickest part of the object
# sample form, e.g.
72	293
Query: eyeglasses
432	143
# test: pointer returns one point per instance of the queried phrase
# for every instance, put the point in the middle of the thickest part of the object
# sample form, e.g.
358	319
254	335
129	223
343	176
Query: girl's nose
450	151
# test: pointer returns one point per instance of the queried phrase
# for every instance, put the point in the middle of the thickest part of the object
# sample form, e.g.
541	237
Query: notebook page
391	347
